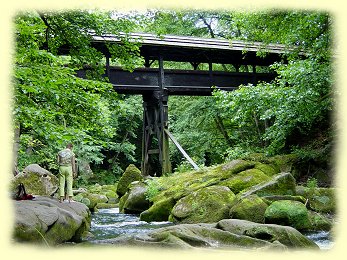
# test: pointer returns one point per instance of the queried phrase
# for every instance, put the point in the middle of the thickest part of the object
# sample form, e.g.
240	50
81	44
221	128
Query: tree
51	105
287	112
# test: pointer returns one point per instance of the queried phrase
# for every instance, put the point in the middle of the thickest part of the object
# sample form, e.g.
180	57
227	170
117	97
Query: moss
280	184
34	183
122	201
206	205
228	169
272	198
266	168
78	197
320	199
160	211
289	213
318	222
106	205
245	179
131	173
251	208
86	202
284	163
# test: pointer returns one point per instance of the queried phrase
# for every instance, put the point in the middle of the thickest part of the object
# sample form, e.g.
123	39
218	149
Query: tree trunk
221	128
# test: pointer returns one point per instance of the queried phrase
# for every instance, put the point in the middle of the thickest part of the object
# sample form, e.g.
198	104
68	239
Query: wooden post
155	122
164	121
108	66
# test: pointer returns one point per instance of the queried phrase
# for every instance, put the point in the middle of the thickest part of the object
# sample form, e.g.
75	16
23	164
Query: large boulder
44	220
160	211
245	179
136	200
131	173
320	199
288	213
226	234
288	236
206	205
36	180
251	208
280	184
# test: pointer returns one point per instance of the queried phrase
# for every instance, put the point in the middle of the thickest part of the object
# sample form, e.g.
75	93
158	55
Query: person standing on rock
67	171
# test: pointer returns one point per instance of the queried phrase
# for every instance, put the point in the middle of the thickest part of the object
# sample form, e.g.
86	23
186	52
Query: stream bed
109	223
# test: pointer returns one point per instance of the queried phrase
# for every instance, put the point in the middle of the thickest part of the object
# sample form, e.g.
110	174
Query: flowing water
109	223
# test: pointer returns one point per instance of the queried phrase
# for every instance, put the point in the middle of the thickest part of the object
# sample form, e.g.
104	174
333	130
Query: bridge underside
180	82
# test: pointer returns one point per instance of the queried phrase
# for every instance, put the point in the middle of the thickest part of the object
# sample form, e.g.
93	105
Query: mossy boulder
288	213
91	200
159	211
136	201
268	169
251	208
288	236
320	199
280	184
230	168
106	205
122	201
226	234
318	222
206	205
131	173
271	198
245	179
36	180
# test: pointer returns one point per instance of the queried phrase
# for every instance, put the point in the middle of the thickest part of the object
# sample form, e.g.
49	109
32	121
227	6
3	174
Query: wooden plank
195	166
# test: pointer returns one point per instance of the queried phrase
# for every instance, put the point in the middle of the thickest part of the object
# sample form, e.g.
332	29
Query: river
109	223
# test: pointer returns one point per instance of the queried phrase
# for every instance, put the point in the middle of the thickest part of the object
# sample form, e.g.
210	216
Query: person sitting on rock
67	171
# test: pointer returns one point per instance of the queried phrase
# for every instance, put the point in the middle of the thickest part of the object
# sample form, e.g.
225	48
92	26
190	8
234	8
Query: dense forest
51	106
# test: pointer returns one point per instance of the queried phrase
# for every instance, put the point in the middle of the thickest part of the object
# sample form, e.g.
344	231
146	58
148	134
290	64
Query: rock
288	213
288	236
280	184
94	199
226	234
266	168
318	222
80	190
45	220
186	236
136	201
37	181
320	199
251	208
233	167
206	205
272	198
245	179
160	211
122	201
131	173
106	205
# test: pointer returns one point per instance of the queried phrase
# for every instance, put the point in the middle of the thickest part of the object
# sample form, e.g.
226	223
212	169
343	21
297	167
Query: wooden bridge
156	84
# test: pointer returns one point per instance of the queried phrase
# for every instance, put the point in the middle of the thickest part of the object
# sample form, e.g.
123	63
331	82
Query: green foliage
312	183
51	106
152	189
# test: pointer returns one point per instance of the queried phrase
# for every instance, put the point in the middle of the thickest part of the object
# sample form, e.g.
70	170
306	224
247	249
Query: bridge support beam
155	140
155	122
